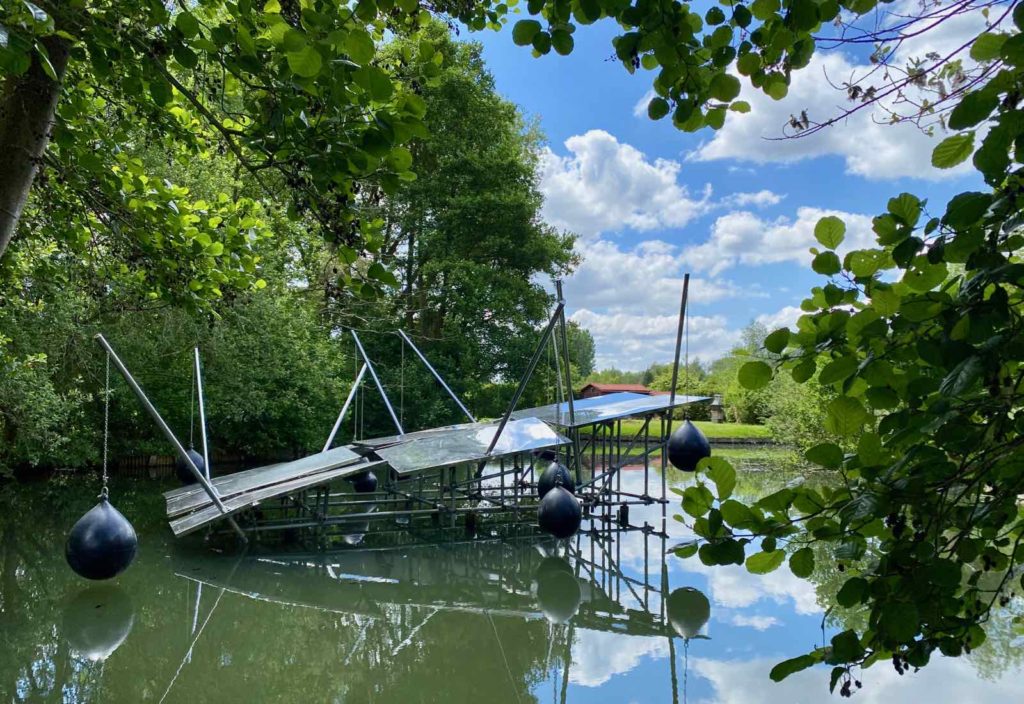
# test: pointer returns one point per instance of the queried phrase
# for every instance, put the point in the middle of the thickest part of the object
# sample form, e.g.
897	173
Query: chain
104	492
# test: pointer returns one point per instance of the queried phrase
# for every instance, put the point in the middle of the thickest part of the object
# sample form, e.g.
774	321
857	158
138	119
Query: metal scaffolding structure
480	475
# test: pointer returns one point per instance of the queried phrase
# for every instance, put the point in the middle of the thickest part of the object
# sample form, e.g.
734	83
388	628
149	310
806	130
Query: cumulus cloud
634	342
783	318
640	109
603	185
870	147
597	656
758	623
760	199
745	238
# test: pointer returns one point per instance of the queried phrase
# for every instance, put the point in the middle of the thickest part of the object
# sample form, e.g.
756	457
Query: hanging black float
181	468
558	591
687	447
560	513
688	611
102	543
556	474
364	482
97	621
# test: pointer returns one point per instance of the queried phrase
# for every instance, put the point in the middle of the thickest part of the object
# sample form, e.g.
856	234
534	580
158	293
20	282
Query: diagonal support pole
679	344
169	434
344	408
437	376
202	415
376	380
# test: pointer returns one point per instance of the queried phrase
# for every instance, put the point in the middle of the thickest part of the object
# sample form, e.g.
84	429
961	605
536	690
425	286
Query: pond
511	620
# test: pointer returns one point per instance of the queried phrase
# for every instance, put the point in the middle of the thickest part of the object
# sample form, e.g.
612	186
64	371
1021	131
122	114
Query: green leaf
697	500
722	474
826	454
187	24
657	108
845	416
524	31
853	592
826	264
724	87
988	46
962	377
830	231
787	667
972	109
754	375
846	647
900	621
306	62
748	64
906	207
839	369
736	514
801	563
953	150
740	106
776	342
765	562
562	41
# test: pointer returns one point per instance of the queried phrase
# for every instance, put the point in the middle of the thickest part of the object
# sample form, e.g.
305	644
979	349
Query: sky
734	209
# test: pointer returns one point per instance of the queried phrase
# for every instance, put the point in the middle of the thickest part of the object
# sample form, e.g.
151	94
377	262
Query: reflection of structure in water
578	584
97	621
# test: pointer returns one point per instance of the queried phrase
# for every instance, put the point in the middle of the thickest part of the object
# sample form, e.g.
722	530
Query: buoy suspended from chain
364	482
103	542
557	474
185	475
560	513
687	446
688	611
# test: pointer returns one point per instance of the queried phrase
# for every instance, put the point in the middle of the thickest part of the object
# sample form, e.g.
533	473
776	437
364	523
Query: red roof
610	388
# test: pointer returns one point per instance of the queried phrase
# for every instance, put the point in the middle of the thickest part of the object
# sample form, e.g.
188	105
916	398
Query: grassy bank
710	430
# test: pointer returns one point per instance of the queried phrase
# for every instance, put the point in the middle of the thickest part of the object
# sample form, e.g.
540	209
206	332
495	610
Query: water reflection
602	618
97	620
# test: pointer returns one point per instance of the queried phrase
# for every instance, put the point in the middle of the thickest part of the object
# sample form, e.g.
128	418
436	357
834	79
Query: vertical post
437	376
679	345
344	408
169	434
202	414
380	387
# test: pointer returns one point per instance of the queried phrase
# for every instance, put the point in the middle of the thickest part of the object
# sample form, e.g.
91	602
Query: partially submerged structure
470	472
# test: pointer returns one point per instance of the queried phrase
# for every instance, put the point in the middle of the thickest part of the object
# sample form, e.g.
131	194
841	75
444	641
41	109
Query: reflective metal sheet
468	442
604	408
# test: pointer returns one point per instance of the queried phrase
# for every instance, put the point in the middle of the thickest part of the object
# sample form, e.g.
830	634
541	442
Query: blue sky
735	210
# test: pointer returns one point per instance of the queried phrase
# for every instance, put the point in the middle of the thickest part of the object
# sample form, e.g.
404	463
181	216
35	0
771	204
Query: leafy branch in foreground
922	340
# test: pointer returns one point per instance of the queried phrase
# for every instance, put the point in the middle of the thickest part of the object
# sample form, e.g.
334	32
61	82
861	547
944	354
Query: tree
920	343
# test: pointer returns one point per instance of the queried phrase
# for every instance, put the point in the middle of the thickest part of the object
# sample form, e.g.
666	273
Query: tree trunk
27	106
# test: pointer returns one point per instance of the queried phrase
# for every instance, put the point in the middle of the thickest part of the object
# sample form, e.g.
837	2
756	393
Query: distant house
592	390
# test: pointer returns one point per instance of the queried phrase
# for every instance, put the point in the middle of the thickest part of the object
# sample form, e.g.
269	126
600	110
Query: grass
710	430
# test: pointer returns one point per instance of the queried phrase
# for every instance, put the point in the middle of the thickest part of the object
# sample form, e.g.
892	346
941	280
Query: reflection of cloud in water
598	656
732	586
760	623
945	680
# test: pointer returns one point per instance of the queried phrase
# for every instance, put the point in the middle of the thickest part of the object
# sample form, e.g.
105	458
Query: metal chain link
104	492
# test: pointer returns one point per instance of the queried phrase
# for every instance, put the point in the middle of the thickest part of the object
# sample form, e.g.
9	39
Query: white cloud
943	681
634	342
760	199
603	185
745	238
640	109
759	623
783	318
869	145
597	656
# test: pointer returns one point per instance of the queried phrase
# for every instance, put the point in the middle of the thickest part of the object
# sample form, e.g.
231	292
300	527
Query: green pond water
521	619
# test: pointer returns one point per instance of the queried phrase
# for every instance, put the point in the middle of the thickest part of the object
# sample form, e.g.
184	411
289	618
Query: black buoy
687	447
558	591
97	621
364	482
559	513
102	543
185	475
556	474
688	611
